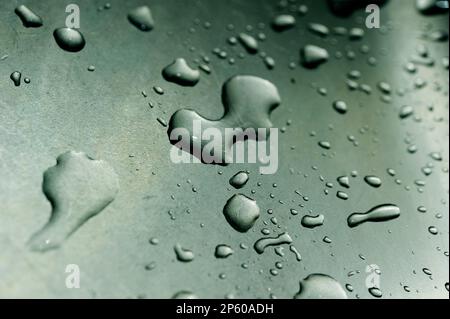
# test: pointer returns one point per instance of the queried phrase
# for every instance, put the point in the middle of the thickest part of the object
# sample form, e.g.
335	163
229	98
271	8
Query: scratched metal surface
104	114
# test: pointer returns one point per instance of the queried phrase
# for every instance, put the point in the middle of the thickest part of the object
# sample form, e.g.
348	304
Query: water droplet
16	76
433	230
376	292
241	212
344	181
319	29
239	180
180	73
340	107
297	254
263	243
69	39
320	286
223	251
283	22
249	43
184	255
373	181
406	111
28	17
248	102
325	145
312	56
356	34
379	213
184	294
312	221
142	18
78	188
342	195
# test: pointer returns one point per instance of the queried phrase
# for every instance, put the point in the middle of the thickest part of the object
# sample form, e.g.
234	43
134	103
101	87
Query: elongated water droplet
249	43
241	212
309	221
78	188
379	213
28	17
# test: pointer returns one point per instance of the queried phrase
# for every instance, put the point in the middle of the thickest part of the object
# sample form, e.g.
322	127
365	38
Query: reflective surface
101	101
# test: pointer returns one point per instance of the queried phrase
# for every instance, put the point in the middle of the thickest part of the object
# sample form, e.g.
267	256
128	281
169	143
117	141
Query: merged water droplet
241	212
142	18
78	188
379	213
180	73
320	286
248	102
69	39
261	244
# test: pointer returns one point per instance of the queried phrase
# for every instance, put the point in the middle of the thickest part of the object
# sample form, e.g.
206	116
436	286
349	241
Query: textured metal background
103	113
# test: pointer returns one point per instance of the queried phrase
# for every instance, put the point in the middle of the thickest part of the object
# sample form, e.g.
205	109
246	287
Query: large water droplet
78	188
241	212
69	39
